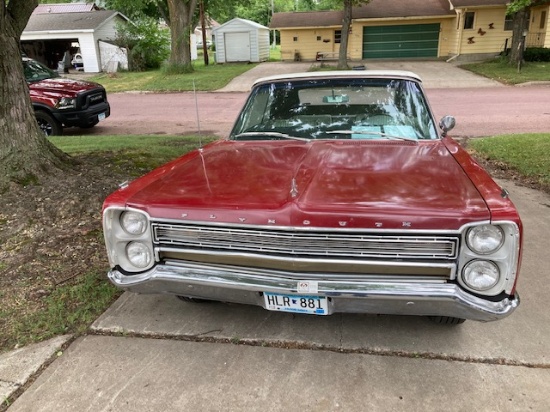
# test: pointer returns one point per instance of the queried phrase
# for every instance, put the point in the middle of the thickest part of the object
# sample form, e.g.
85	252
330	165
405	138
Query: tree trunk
181	17
346	24
25	153
520	23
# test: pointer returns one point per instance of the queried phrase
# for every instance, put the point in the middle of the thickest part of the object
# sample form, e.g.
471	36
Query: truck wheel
48	124
447	320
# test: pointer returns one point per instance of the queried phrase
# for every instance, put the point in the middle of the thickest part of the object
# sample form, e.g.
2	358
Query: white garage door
237	47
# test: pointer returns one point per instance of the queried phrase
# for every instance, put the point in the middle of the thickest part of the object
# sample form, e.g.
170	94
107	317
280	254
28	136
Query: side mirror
447	123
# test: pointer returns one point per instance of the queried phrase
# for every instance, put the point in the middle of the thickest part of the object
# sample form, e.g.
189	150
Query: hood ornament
293	188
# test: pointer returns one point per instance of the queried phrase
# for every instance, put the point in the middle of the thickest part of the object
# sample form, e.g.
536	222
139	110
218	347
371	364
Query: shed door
237	47
411	40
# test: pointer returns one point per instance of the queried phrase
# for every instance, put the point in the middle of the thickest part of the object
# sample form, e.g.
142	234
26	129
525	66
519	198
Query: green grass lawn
73	305
502	71
205	78
527	154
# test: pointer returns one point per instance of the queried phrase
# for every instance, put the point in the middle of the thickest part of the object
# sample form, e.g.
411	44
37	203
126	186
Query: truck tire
48	124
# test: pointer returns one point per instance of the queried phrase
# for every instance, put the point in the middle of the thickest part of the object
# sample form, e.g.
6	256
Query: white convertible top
384	74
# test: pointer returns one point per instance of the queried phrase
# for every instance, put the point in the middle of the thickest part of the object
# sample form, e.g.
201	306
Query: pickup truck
60	102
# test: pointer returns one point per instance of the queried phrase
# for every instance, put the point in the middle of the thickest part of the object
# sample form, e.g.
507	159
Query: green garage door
411	40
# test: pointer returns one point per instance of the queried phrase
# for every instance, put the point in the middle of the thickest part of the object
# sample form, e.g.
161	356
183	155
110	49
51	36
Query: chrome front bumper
366	296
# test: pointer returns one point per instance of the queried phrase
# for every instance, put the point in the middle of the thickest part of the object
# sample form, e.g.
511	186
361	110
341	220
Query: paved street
482	107
151	353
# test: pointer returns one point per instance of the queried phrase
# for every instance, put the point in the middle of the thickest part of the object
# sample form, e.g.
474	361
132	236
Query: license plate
101	116
314	305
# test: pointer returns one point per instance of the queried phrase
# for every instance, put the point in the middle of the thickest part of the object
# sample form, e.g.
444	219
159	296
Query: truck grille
311	244
91	98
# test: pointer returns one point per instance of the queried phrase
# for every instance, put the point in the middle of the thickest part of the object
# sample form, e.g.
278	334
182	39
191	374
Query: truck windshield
35	71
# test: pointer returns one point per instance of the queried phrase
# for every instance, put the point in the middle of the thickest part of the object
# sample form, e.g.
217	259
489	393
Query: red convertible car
334	192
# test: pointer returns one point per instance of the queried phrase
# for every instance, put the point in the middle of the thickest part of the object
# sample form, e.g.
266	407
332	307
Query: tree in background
25	153
261	11
519	10
147	43
346	25
179	15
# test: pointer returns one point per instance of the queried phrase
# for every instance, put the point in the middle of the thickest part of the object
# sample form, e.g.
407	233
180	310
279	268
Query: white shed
241	40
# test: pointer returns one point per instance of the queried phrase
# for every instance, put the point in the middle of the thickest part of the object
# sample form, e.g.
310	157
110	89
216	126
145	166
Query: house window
542	19
295	39
318	38
508	23
337	36
469	18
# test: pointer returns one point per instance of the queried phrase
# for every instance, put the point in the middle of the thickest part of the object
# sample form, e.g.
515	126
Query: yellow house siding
538	36
448	38
486	37
483	39
309	41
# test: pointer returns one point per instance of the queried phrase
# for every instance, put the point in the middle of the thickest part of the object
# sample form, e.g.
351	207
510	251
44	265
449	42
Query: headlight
485	239
66	103
480	274
133	223
138	254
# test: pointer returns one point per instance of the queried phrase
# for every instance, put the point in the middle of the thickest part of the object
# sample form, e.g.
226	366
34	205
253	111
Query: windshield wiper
389	136
272	134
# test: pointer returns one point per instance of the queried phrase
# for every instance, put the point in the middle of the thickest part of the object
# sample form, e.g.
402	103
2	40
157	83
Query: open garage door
403	41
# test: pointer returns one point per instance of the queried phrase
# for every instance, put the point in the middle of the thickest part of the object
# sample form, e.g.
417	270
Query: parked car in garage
60	102
334	192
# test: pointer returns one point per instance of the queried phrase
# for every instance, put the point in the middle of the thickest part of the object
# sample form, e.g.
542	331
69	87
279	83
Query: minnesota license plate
101	116
314	305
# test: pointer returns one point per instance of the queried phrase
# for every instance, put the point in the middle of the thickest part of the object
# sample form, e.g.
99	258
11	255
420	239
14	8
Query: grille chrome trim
301	243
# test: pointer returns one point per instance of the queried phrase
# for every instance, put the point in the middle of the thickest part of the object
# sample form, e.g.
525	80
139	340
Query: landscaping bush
537	54
147	44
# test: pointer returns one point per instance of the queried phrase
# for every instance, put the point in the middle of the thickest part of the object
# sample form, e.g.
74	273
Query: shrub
148	45
537	54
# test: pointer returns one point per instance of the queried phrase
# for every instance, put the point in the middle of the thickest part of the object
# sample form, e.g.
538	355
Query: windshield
35	71
337	108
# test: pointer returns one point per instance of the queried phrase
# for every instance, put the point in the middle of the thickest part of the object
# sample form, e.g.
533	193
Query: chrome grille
297	243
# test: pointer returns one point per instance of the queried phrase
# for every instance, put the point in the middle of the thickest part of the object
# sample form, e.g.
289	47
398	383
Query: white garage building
49	34
241	40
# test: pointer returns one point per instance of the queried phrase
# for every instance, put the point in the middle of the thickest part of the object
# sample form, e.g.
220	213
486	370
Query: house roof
237	19
375	9
70	21
306	18
379	9
458	4
64	8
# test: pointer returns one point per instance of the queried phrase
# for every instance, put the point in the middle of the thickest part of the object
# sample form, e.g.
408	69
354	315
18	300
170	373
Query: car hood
62	86
352	184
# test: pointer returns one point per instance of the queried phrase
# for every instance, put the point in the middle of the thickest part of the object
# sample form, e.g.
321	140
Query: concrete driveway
434	74
151	353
